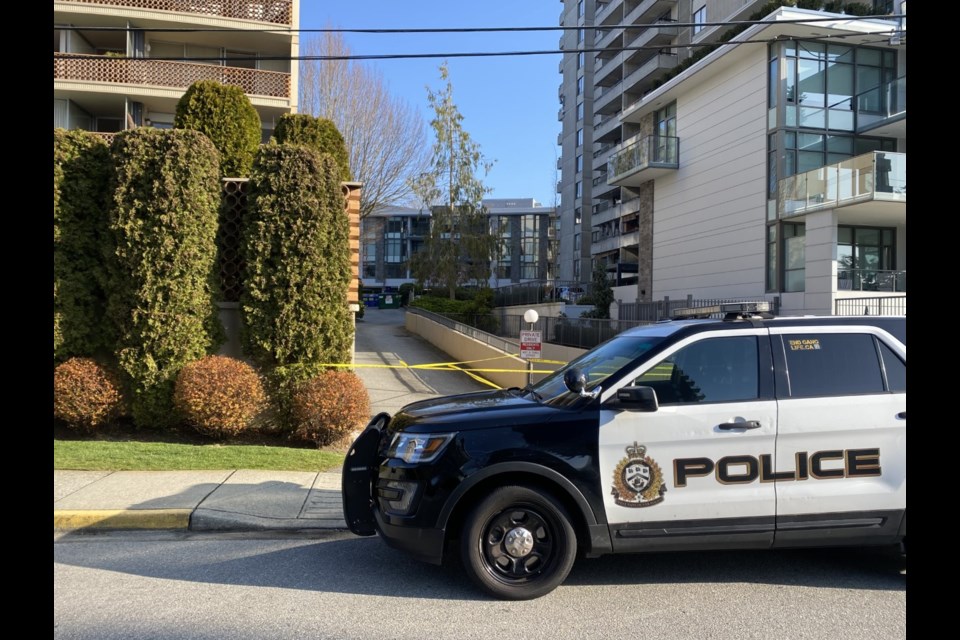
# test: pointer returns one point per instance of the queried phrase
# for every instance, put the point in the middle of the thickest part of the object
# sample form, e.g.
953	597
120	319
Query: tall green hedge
81	173
163	223
297	254
224	114
319	133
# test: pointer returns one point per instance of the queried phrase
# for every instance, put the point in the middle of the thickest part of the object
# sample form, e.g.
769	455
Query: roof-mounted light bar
730	311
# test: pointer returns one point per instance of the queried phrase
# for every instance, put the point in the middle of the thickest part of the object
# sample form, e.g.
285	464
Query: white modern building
124	63
773	164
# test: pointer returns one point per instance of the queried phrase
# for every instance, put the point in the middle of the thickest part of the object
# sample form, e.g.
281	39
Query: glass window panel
808	161
840	53
811	83
896	369
840	86
845	235
812	50
791	83
813	118
869	56
840	120
832	364
810	141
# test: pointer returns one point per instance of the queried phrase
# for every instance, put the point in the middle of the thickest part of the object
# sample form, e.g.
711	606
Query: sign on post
530	345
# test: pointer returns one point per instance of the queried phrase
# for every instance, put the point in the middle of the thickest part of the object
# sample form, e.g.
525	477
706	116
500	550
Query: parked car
750	432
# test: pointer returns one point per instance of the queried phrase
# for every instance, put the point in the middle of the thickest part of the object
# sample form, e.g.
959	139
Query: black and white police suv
744	433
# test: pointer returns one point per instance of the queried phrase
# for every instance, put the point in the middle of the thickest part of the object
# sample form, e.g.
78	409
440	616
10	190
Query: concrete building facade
775	164
125	63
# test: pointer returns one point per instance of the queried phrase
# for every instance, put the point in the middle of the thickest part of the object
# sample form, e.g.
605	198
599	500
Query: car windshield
597	365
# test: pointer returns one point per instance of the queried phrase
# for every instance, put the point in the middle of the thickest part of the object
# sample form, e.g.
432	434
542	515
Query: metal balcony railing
166	73
871	280
272	11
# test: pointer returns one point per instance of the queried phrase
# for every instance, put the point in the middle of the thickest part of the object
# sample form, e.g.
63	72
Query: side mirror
576	381
638	398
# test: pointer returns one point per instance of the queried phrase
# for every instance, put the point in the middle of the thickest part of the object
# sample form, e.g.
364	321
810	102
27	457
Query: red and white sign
530	345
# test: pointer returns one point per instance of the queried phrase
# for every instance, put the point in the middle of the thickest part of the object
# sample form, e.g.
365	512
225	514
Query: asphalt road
336	585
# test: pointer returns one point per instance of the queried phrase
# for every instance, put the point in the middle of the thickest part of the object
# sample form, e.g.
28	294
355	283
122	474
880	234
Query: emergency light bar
730	310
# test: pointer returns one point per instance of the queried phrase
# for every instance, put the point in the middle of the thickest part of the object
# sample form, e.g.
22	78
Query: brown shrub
218	396
85	394
330	406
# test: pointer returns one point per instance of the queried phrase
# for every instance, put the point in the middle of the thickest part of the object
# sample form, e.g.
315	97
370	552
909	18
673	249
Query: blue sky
509	104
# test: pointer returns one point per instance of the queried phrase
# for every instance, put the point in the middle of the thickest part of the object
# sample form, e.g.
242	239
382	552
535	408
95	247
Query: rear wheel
518	543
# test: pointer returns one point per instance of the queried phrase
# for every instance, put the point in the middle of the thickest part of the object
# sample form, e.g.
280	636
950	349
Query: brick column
351	192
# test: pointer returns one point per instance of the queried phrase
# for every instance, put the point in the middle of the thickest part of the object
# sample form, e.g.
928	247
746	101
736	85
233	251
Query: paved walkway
239	499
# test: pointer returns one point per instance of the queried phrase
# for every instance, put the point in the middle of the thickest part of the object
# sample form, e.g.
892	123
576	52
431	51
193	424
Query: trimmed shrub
85	394
218	396
320	134
224	114
81	175
296	251
329	407
163	274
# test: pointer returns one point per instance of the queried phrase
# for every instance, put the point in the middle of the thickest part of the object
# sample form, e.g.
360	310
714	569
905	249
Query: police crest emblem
638	480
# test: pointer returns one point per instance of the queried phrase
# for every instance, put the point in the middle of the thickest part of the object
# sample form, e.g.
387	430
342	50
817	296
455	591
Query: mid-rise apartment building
774	164
124	63
525	233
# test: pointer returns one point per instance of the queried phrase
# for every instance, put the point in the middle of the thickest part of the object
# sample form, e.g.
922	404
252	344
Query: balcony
604	39
608	14
272	11
604	97
647	10
614	242
603	69
640	80
876	181
883	110
644	160
660	33
163	73
871	280
605	212
606	127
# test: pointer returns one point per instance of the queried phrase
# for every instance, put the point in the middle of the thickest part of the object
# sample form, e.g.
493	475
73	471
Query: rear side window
832	364
895	368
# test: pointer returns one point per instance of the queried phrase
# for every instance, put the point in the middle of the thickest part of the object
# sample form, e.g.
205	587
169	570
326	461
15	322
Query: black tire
518	543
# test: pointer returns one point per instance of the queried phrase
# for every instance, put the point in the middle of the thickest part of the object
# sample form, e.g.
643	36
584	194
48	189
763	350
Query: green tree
602	294
224	114
459	246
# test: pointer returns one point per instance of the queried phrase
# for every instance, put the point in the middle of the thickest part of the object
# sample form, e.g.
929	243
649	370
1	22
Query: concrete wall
710	215
464	348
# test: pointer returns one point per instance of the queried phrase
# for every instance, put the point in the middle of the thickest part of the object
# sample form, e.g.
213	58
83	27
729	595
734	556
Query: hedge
296	250
224	114
81	172
320	134
163	224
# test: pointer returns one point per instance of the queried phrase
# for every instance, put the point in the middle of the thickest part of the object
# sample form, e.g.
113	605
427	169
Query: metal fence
540	291
664	309
877	306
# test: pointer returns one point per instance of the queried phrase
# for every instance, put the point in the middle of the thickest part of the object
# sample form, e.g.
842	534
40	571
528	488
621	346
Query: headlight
418	447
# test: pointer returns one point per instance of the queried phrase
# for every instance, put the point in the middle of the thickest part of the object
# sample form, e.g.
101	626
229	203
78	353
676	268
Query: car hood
472	410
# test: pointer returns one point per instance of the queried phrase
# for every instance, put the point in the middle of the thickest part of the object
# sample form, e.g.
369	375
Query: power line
281	29
882	39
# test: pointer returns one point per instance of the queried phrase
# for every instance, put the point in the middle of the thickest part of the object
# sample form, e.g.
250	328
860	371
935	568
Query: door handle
747	424
902	415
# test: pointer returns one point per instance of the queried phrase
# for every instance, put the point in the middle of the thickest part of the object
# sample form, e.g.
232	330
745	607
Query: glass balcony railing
882	103
879	175
650	151
871	280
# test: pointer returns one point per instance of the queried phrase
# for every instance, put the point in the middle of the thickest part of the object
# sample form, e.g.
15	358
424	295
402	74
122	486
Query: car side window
895	368
832	364
722	369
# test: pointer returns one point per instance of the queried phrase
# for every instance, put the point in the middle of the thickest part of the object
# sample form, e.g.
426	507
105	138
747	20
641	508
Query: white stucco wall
709	216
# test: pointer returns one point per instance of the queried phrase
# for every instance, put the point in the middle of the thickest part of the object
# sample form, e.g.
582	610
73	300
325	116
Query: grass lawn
135	455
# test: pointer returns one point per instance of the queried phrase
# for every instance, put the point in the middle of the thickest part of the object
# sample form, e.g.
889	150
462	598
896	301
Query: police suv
749	432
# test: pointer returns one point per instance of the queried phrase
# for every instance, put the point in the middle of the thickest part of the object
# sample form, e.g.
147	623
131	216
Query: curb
101	519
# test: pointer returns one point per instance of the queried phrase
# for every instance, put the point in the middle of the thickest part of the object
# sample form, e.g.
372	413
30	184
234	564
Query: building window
699	19
579	35
866	258
578	190
794	257
772	279
580	60
579	137
666	128
580	111
580	9
580	85
577	217
579	163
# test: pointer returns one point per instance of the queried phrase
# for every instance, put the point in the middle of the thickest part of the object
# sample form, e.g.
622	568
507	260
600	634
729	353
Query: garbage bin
389	301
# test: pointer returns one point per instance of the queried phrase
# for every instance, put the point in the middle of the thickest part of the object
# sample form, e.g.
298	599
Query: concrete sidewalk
245	500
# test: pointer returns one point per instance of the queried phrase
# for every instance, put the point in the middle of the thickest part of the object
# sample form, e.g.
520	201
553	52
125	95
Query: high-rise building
770	163
118	64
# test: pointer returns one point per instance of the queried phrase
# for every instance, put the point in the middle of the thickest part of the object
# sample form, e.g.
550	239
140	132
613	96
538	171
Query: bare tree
385	136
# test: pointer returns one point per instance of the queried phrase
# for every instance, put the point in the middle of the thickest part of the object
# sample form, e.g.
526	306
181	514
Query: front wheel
518	543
